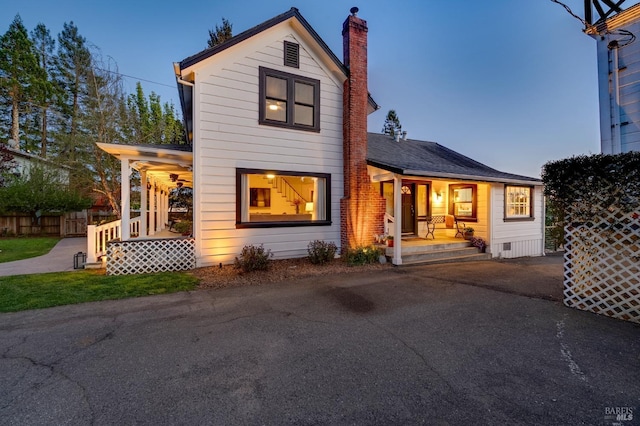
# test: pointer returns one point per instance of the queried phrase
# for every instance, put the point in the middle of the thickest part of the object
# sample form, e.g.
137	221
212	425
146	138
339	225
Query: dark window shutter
291	54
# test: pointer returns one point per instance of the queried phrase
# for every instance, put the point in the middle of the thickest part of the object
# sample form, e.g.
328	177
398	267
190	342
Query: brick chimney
362	208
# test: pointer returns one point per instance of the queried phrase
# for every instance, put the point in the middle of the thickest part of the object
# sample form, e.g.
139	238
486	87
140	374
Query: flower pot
468	235
389	243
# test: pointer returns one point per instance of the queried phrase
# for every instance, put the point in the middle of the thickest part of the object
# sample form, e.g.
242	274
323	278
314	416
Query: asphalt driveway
482	343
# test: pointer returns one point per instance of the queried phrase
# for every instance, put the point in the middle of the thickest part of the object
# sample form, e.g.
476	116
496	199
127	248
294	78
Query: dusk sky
509	83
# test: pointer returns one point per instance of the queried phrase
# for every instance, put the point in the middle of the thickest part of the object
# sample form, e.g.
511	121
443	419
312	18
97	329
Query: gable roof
291	13
430	159
185	91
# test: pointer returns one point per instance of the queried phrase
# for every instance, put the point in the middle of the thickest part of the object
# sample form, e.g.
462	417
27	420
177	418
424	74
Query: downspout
616	144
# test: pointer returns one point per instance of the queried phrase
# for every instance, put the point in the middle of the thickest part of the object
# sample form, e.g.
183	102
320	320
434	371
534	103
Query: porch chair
459	227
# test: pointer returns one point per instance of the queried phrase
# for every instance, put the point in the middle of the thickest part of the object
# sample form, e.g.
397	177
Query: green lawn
23	248
22	292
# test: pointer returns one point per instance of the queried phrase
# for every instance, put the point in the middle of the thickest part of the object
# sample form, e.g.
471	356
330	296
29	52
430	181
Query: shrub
253	258
321	252
362	255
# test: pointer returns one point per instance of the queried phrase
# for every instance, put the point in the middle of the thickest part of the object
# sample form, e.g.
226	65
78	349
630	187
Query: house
615	33
281	156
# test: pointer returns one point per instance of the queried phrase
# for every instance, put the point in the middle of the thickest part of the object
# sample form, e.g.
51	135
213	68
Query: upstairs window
288	100
518	202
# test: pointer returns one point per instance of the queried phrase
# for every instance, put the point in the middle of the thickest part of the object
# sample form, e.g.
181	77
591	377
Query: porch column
160	209
397	224
125	199
165	211
144	197
152	208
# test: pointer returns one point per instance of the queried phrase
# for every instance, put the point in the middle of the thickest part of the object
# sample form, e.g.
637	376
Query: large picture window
463	201
289	100
518	202
267	198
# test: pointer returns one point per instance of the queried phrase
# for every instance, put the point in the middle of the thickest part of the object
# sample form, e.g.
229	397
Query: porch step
444	253
453	259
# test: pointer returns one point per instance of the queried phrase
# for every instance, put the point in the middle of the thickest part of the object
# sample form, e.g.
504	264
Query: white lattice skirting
148	256
602	265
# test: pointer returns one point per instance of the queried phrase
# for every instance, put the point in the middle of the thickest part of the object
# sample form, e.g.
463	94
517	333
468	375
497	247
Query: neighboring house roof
33	157
430	159
185	91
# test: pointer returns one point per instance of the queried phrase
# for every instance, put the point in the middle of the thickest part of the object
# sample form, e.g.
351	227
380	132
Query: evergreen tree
150	122
20	73
220	34
392	126
46	92
73	65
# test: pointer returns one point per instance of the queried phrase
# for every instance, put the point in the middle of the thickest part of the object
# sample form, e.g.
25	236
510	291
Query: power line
137	78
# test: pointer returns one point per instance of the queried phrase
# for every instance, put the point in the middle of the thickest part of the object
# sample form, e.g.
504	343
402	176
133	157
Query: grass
22	292
23	248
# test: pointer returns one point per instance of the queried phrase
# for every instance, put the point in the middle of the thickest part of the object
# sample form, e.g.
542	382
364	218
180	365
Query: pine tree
392	126
20	73
73	65
46	92
220	34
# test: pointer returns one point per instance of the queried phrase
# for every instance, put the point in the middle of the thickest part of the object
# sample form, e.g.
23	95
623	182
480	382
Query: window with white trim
267	198
518	202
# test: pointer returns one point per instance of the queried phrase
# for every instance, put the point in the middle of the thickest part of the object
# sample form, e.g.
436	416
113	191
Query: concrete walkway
59	259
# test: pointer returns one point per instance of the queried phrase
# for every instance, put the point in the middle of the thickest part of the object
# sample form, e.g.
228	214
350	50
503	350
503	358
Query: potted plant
468	233
479	243
297	203
390	241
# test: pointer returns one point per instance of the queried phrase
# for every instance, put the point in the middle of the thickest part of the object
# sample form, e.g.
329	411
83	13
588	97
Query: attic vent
291	54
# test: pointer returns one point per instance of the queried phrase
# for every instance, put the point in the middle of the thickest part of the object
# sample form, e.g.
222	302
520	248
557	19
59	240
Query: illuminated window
288	100
268	199
518	202
462	201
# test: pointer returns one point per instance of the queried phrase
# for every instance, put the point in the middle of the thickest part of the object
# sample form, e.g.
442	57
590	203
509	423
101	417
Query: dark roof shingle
430	159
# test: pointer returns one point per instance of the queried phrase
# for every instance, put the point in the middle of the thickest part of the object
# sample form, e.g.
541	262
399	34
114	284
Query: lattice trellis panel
602	265
148	256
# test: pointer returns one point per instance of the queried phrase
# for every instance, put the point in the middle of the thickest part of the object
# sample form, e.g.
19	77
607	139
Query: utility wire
137	78
588	26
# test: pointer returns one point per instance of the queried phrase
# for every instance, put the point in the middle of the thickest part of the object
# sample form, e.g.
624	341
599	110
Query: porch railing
388	219
99	235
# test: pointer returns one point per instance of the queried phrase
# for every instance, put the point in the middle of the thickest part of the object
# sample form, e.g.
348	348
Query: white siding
619	124
525	237
227	136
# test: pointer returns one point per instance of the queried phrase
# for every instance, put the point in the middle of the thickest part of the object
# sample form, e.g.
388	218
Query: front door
408	209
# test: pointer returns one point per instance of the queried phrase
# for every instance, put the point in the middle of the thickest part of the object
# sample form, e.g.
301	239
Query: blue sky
509	83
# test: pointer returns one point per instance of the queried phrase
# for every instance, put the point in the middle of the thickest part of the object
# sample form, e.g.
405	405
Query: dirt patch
280	270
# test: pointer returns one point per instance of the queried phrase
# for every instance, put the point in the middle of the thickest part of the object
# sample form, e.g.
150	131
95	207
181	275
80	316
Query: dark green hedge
587	183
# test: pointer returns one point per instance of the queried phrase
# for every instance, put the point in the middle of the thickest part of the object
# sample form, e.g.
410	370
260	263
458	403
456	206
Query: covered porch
138	240
432	219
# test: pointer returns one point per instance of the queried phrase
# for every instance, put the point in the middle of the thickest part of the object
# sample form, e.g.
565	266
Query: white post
160	209
125	198
91	244
397	224
144	192
152	208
